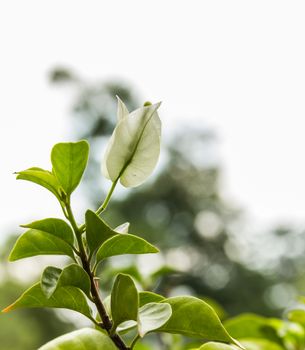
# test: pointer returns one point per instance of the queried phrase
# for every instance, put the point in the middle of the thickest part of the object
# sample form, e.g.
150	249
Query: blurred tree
180	209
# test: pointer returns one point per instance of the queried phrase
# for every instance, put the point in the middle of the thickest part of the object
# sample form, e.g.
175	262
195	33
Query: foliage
128	314
129	158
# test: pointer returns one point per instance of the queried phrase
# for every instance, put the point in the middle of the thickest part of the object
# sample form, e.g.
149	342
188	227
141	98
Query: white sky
238	66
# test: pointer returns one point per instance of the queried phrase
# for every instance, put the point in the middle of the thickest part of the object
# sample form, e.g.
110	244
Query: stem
104	205
107	324
107	199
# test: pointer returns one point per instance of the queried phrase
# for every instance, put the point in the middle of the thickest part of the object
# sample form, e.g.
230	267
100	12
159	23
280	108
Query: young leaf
152	316
97	231
85	338
195	318
69	161
54	226
65	297
124	244
35	242
149	297
72	275
134	147
43	178
124	300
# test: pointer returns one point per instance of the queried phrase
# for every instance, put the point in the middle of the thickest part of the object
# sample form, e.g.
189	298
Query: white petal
134	147
122	110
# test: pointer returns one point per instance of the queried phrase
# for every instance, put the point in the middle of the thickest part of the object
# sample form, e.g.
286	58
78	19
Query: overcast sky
237	66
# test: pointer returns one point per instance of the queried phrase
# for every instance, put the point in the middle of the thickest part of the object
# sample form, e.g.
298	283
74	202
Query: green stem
107	199
104	205
107	324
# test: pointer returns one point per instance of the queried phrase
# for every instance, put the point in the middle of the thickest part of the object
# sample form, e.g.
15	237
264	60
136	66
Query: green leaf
124	244
97	231
124	300
87	338
149	297
134	147
49	280
35	242
217	346
43	178
65	297
72	275
56	227
69	161
194	318
152	316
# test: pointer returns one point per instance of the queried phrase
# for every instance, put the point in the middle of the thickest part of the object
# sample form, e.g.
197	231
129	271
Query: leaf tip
7	309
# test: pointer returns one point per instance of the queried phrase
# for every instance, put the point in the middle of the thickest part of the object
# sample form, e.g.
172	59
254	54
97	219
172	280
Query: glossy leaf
65	297
195	318
152	316
84	339
124	244
43	178
35	242
97	231
72	275
69	161
149	297
124	300
56	227
134	147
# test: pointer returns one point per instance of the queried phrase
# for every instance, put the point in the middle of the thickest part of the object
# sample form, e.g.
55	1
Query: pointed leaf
124	244
124	300
43	178
195	318
87	338
152	316
65	297
149	297
35	242
56	227
72	275
97	231
69	160
134	147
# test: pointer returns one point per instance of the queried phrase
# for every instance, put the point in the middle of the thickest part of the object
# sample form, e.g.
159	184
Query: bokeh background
226	204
